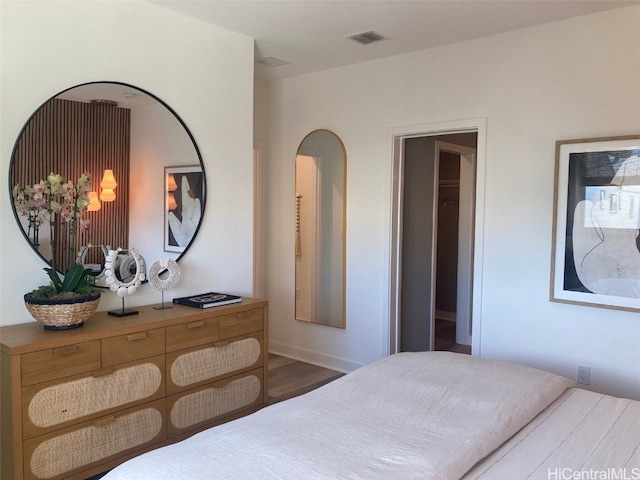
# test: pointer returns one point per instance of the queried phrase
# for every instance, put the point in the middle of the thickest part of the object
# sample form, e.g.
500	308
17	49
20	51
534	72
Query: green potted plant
65	302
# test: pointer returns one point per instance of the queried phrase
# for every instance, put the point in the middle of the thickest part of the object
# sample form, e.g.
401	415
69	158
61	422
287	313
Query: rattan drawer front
192	334
63	407
54	405
241	323
134	346
186	369
54	363
216	400
93	442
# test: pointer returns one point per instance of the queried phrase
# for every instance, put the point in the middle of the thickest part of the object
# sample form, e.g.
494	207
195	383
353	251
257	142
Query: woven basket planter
64	313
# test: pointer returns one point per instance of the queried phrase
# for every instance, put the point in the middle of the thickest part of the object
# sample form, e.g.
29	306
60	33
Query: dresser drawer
134	346
94	442
205	404
191	334
186	369
105	393
241	323
54	363
54	405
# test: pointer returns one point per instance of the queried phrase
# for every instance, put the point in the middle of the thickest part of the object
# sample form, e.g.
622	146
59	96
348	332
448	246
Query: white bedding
580	432
429	415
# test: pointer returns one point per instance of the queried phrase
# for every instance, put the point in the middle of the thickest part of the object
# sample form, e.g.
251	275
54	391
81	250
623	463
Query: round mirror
320	203
144	186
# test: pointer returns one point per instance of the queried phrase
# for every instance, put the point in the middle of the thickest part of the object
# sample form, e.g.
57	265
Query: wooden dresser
78	402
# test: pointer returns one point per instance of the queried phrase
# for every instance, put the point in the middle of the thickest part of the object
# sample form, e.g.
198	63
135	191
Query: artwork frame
595	258
183	207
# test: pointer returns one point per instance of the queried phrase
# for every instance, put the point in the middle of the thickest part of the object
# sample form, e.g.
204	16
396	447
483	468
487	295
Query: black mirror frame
177	117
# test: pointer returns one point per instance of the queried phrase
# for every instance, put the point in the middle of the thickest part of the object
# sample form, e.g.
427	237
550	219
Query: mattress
428	415
581	435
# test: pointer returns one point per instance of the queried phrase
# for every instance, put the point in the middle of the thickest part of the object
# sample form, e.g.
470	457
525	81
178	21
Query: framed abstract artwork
596	245
184	205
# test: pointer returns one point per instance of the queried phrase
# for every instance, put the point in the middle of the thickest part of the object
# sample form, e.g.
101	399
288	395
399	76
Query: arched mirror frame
191	139
314	312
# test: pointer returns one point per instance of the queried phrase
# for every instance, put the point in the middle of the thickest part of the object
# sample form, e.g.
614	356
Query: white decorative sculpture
167	268
121	287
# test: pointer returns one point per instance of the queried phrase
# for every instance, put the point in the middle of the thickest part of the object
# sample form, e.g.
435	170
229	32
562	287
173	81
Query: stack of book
206	300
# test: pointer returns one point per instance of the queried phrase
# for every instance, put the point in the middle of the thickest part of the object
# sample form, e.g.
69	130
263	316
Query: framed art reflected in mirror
184	189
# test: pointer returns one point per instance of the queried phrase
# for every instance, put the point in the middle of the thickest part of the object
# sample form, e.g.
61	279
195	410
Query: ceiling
310	34
124	95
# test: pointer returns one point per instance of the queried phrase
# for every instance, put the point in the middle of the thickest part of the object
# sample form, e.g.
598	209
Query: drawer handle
103	373
136	336
195	324
221	383
67	350
221	344
104	421
244	315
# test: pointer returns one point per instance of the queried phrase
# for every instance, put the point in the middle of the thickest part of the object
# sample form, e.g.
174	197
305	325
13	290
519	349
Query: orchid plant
47	202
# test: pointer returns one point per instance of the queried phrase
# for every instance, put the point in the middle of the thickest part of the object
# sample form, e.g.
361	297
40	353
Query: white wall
158	140
572	79
204	73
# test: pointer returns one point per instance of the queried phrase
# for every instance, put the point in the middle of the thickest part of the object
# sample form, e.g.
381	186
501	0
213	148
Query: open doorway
434	240
456	164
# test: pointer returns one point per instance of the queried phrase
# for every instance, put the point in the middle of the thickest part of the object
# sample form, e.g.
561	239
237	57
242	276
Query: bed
428	415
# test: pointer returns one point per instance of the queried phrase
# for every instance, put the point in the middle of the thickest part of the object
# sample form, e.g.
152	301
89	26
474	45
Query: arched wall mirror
320	203
147	181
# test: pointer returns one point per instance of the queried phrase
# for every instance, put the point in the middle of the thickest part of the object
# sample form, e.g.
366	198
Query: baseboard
314	358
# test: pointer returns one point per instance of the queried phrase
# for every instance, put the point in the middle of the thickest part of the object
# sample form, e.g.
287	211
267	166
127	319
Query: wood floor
445	338
289	378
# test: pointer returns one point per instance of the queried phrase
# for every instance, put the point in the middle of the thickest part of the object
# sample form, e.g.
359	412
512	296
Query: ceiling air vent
366	38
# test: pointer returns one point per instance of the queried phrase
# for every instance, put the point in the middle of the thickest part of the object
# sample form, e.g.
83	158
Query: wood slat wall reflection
70	138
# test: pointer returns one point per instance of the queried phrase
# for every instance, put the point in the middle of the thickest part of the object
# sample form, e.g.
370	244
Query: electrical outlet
583	375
